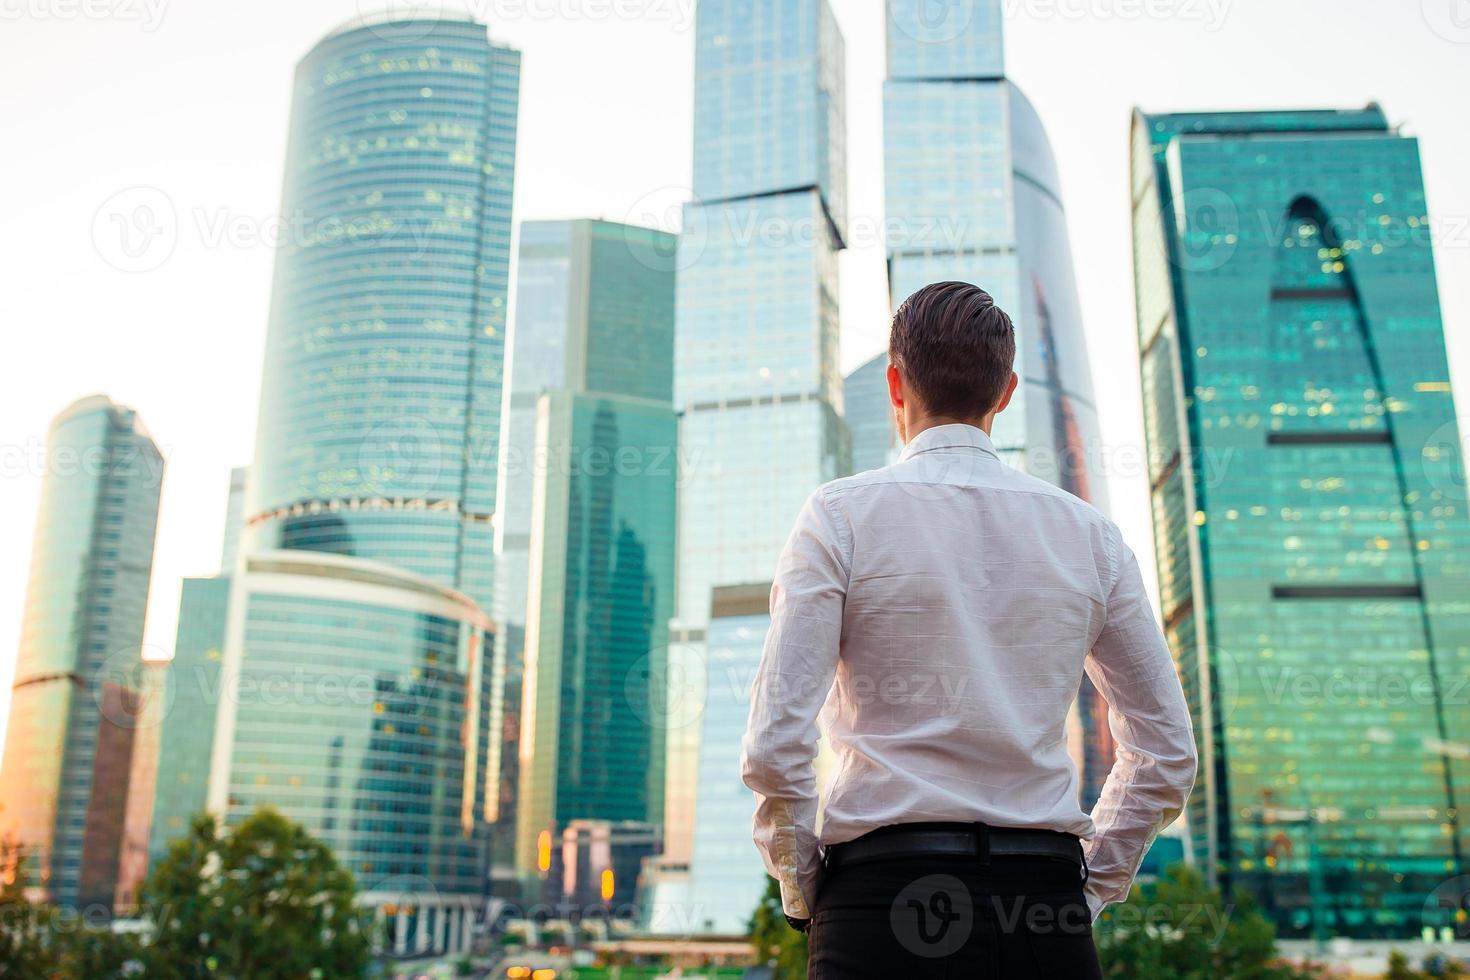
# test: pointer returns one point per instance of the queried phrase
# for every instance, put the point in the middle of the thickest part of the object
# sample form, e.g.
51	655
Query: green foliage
264	901
39	941
1433	969
23	926
1179	929
777	944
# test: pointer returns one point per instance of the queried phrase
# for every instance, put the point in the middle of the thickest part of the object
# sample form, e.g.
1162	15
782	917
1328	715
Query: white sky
189	98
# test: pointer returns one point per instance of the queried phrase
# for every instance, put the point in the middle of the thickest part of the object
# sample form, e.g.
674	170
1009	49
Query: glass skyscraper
589	475
64	777
726	884
187	690
358	629
354	700
973	196
756	357
1309	509
870	416
191	696
380	406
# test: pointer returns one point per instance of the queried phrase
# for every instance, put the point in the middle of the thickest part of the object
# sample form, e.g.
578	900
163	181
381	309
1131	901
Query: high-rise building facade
234	520
186	692
380	405
191	696
1309	507
354	702
973	195
358	626
63	780
870	416
757	377
589	477
725	884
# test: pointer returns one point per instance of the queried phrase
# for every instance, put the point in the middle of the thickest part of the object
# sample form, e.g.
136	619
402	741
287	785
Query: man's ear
1005	400
895	387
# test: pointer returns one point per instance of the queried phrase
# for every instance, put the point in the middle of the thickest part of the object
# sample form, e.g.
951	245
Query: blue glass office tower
870	416
725	884
1309	507
380	406
973	196
756	354
586	541
358	625
64	778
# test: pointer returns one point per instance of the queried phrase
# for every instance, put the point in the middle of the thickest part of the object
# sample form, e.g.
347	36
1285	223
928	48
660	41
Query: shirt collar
942	437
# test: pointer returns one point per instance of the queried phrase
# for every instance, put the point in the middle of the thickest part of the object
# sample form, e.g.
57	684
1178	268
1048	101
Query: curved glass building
358	698
380	406
1310	513
352	698
973	196
64	778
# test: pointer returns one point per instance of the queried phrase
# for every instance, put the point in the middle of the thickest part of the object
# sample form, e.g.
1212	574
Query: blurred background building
1309	506
357	643
75	699
875	441
589	473
724	884
756	357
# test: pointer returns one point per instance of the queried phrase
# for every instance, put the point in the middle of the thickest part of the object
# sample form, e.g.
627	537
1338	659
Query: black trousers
934	917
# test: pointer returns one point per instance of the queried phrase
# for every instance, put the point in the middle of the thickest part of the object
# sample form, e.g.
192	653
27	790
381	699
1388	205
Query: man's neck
913	427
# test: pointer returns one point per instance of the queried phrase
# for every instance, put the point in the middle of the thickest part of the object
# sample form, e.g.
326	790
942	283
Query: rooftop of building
1165	126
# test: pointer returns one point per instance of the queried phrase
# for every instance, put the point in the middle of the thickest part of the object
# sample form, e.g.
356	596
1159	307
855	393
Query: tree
23	926
265	900
777	944
1179	929
39	941
1435	968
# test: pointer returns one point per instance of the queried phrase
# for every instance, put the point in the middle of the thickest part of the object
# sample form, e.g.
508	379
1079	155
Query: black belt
974	841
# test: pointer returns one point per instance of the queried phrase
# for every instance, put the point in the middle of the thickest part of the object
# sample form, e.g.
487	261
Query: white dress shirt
939	614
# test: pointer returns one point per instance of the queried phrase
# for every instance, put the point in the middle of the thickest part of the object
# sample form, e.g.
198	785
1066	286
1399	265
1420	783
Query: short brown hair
955	347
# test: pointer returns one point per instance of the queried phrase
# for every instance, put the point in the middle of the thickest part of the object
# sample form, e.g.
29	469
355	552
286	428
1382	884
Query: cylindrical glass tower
380	406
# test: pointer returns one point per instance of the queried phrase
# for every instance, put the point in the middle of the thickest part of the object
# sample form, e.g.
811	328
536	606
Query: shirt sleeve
796	672
1156	756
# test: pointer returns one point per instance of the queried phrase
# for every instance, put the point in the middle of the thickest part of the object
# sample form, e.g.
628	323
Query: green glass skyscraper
589	477
1309	509
64	778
